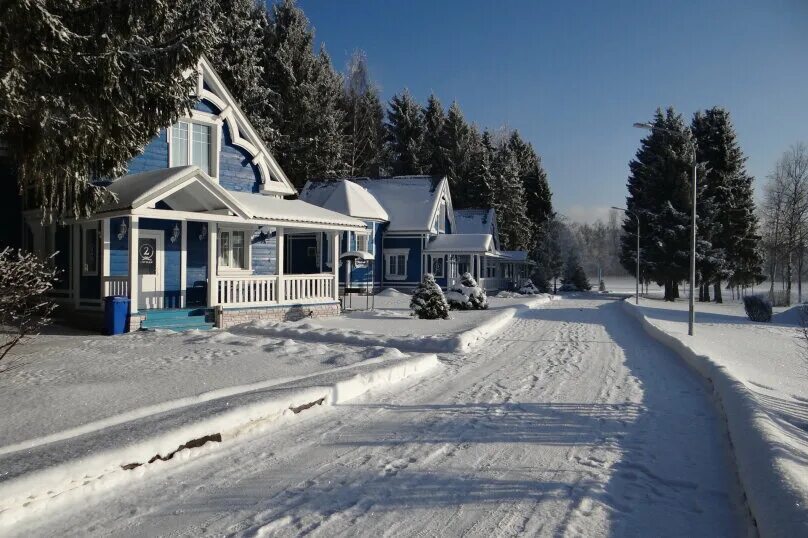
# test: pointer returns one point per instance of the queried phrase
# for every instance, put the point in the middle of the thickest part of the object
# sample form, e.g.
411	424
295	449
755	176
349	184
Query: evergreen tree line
659	187
81	107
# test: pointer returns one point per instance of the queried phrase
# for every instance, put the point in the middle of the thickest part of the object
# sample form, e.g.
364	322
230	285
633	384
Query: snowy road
571	422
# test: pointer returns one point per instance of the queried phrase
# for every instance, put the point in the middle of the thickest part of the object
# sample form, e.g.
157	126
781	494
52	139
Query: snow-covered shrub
25	308
467	295
526	287
758	308
428	301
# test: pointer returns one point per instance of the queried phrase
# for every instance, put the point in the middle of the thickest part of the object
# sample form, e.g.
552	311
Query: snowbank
771	453
484	324
33	480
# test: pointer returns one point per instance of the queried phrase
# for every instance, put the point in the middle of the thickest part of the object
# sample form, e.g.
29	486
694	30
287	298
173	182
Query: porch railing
272	289
493	283
116	285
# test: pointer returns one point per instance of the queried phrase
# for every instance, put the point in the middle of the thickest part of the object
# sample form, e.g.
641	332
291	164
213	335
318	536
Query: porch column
105	238
134	281
213	284
280	248
183	260
335	264
477	266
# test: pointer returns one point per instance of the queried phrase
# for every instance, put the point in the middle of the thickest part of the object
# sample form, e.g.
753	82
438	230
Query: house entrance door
150	269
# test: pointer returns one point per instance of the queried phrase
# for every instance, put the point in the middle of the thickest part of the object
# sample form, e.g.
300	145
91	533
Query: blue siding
196	259
264	249
413	261
206	106
118	248
171	259
236	173
154	156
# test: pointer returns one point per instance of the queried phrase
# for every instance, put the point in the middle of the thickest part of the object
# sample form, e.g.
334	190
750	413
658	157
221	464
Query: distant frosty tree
85	84
25	308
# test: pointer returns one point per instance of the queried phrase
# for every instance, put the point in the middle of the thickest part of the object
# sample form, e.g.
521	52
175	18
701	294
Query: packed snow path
571	422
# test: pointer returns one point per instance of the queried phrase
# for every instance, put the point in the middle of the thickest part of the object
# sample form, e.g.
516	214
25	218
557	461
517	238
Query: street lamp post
692	305
637	218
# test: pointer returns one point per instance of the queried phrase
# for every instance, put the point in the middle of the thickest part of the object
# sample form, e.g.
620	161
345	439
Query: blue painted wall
264	251
196	272
171	259
154	156
118	248
413	261
236	173
206	106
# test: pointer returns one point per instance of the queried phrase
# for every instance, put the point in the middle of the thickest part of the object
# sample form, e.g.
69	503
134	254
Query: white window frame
395	253
442	264
85	269
441	224
229	269
329	252
366	237
200	118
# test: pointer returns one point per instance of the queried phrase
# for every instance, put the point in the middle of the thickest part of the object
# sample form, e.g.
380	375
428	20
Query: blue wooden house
199	232
412	229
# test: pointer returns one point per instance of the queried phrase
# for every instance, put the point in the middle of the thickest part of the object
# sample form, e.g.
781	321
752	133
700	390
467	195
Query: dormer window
192	143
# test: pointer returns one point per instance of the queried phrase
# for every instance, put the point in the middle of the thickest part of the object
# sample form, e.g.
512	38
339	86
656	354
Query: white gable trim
443	193
242	132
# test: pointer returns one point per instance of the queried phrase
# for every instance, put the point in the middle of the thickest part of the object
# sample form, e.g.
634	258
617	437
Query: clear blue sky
572	77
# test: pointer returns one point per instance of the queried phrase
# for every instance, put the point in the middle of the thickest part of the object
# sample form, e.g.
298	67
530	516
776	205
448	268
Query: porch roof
462	243
517	256
189	193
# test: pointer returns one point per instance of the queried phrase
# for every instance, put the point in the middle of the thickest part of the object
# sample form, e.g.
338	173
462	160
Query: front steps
178	319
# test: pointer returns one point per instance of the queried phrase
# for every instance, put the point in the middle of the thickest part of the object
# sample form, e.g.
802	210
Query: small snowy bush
428	301
758	308
25	307
467	295
526	287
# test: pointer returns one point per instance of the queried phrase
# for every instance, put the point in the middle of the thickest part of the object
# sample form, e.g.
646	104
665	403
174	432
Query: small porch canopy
474	253
516	266
188	195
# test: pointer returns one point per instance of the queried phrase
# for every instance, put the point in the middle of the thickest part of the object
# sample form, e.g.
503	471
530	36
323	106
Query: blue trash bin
116	312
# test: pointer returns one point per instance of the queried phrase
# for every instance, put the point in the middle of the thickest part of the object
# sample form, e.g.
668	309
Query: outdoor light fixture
175	233
204	232
122	229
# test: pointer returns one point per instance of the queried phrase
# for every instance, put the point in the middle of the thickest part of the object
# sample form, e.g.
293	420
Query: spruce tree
428	301
574	275
726	208
508	199
308	95
457	143
659	193
240	28
405	135
480	176
85	85
433	151
538	197
364	120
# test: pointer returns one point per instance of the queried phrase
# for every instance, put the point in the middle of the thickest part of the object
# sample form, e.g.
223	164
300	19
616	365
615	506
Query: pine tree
726	208
659	193
538	197
237	54
308	94
433	151
480	179
85	85
428	301
574	275
457	143
508	200
364	121
405	135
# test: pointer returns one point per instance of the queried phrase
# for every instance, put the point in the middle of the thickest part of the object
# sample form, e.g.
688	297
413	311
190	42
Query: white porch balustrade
115	285
275	289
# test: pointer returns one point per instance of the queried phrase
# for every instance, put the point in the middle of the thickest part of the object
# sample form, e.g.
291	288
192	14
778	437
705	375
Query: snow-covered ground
760	372
570	422
390	324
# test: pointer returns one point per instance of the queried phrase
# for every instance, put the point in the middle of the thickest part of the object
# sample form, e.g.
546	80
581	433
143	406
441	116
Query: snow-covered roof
353	200
188	188
411	202
260	206
516	256
183	188
474	221
461	243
